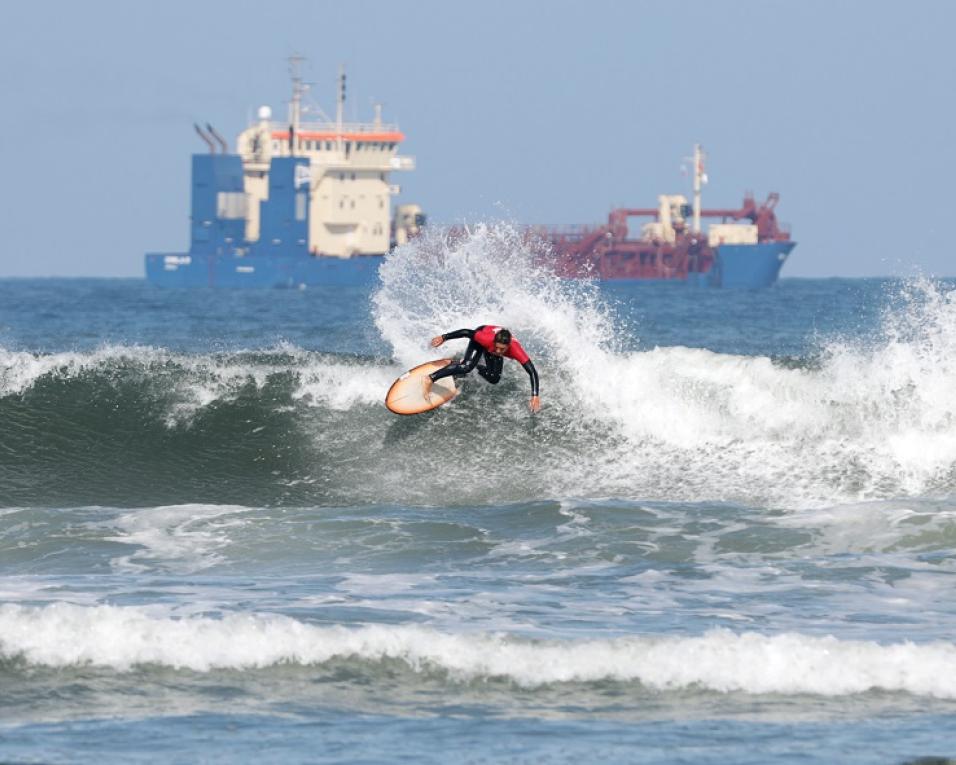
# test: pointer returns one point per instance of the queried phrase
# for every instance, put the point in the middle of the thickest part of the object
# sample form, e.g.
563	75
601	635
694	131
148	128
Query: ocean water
728	537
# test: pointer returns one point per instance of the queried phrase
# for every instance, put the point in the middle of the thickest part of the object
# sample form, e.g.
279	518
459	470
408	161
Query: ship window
353	176
230	205
328	146
341	176
381	177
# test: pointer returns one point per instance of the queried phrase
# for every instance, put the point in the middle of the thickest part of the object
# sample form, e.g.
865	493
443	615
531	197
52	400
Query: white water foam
182	538
62	635
19	370
871	422
191	383
343	386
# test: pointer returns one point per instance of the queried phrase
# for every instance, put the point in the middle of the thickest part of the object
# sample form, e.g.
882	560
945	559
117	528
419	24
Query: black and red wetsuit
481	343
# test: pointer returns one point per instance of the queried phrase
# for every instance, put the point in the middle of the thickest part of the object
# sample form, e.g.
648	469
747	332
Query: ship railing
568	231
333	127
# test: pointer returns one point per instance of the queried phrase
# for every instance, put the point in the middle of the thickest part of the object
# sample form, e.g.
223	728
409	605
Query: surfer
490	345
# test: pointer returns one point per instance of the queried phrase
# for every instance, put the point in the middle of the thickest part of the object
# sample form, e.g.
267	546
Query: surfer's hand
535	404
438	340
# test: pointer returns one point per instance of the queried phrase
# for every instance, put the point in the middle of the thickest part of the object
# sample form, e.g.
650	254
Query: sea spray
487	274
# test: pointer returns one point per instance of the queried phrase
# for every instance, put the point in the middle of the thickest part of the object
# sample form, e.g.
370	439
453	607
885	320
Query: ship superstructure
306	201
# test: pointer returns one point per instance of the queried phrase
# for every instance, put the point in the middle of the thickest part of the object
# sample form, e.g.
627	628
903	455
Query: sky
539	111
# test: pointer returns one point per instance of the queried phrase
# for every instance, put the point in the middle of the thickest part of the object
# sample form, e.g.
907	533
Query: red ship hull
607	252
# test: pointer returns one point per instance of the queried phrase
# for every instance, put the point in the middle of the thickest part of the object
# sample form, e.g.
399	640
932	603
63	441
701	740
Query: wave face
130	424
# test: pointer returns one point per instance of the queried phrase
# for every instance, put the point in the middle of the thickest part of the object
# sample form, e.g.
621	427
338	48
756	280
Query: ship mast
340	104
700	178
295	105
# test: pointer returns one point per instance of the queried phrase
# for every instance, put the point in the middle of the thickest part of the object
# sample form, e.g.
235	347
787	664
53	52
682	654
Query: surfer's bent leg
491	369
463	367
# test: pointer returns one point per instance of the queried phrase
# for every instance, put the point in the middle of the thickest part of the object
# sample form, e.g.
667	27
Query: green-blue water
727	537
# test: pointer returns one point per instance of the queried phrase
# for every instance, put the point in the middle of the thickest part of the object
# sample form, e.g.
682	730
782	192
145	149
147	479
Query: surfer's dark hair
503	336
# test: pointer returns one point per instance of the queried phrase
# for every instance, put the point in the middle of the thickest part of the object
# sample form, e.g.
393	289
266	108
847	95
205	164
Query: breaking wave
866	420
122	638
135	425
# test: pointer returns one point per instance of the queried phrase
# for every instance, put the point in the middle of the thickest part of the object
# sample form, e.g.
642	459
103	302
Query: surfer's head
502	341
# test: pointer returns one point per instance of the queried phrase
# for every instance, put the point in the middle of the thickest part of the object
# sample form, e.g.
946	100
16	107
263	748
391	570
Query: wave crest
61	635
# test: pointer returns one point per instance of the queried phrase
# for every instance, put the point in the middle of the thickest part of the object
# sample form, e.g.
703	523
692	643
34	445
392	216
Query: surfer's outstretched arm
456	335
533	374
460	333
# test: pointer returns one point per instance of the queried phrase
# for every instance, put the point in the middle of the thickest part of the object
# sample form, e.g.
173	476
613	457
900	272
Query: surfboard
405	395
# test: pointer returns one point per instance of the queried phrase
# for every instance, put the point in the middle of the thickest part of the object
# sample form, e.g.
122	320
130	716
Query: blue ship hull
276	271
748	265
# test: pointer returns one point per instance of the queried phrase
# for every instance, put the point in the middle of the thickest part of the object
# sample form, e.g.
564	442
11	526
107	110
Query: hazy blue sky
549	112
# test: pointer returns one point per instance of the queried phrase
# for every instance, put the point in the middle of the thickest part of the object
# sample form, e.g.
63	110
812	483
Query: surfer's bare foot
426	387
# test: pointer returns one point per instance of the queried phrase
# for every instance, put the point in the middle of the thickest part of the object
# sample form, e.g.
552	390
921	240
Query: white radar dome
265	113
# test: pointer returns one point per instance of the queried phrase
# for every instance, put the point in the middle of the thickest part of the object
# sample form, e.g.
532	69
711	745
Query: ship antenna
295	106
340	100
700	178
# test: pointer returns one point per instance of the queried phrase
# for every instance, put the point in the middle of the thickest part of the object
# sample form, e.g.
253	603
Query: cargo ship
309	202
747	248
298	203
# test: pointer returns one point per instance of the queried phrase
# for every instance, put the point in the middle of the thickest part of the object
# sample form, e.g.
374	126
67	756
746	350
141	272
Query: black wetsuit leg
491	368
468	362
